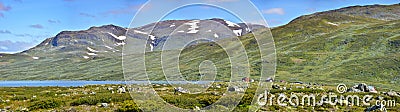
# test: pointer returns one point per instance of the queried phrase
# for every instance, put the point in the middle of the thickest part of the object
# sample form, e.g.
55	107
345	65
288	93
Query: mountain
159	32
106	39
358	44
349	45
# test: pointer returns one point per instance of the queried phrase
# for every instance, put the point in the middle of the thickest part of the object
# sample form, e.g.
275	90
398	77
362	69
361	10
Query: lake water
79	83
54	83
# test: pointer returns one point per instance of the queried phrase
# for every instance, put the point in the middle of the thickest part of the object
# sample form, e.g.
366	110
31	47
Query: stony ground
117	98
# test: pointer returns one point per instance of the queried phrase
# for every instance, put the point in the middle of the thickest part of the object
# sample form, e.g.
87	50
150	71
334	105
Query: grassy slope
357	50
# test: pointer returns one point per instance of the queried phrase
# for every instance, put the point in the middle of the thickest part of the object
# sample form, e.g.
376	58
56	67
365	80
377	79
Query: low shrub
46	104
19	98
128	106
90	101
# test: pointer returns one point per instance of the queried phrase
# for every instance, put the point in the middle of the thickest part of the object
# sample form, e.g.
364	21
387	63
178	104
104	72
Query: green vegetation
93	98
45	104
128	106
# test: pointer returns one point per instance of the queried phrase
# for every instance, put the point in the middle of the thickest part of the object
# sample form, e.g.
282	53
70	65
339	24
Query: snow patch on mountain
151	47
86	57
332	24
91	54
122	37
173	25
231	24
91	50
140	32
117	37
238	32
248	30
108	47
35	58
216	35
119	44
152	37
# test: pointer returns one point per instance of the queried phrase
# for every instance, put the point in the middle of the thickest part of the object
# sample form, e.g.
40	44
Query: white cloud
279	11
311	9
53	21
4	8
5	32
3	48
37	26
86	15
8	46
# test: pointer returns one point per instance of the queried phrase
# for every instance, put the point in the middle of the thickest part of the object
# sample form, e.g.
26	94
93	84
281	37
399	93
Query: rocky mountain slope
95	53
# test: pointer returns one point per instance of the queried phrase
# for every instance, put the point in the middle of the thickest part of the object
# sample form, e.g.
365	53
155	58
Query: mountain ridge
120	31
350	10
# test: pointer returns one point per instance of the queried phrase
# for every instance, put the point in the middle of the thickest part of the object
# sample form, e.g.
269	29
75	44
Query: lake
54	83
62	83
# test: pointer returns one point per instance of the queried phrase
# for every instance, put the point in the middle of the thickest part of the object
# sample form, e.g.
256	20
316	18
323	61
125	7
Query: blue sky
26	23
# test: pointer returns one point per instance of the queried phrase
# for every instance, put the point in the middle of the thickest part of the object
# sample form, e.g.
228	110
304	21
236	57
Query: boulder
121	89
235	88
104	105
181	90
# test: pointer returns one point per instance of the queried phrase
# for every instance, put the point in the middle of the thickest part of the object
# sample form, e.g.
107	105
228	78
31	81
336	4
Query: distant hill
349	45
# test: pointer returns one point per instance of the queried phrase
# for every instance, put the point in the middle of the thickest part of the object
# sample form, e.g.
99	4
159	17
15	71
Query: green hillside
340	47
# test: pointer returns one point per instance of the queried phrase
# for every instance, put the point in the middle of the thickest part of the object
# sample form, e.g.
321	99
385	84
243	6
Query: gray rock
104	104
